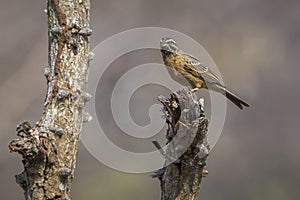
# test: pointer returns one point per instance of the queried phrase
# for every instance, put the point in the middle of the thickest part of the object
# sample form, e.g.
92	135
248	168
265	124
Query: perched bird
183	67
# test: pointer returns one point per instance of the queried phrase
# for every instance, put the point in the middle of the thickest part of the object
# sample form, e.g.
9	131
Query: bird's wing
200	69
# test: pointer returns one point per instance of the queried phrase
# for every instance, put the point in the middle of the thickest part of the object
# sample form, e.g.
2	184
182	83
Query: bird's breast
178	64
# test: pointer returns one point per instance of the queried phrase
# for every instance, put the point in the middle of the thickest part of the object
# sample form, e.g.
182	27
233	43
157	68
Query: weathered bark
187	147
49	148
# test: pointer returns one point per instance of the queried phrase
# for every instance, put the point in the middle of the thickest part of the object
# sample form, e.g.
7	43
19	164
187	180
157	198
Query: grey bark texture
187	148
49	148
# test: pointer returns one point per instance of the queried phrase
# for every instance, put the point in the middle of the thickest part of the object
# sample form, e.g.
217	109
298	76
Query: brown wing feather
200	69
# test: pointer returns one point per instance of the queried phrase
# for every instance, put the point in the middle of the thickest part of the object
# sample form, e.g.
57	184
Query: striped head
168	45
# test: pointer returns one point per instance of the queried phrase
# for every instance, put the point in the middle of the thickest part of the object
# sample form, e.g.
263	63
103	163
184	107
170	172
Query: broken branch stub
187	147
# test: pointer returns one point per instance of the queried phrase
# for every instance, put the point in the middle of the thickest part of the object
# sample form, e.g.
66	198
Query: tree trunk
49	148
187	147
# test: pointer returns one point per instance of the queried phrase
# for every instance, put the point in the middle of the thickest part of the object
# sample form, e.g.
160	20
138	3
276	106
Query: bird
188	70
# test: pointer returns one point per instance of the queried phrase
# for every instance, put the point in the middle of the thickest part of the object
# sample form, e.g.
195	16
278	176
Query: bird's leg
194	89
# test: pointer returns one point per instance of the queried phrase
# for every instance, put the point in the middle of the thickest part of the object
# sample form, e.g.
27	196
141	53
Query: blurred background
255	44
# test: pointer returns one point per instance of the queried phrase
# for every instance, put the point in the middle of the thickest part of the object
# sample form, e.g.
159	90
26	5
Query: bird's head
169	45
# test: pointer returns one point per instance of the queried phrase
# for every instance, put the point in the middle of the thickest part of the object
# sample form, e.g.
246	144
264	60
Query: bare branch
49	148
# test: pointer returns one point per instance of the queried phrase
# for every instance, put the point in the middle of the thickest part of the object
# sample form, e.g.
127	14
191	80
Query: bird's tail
232	97
235	99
